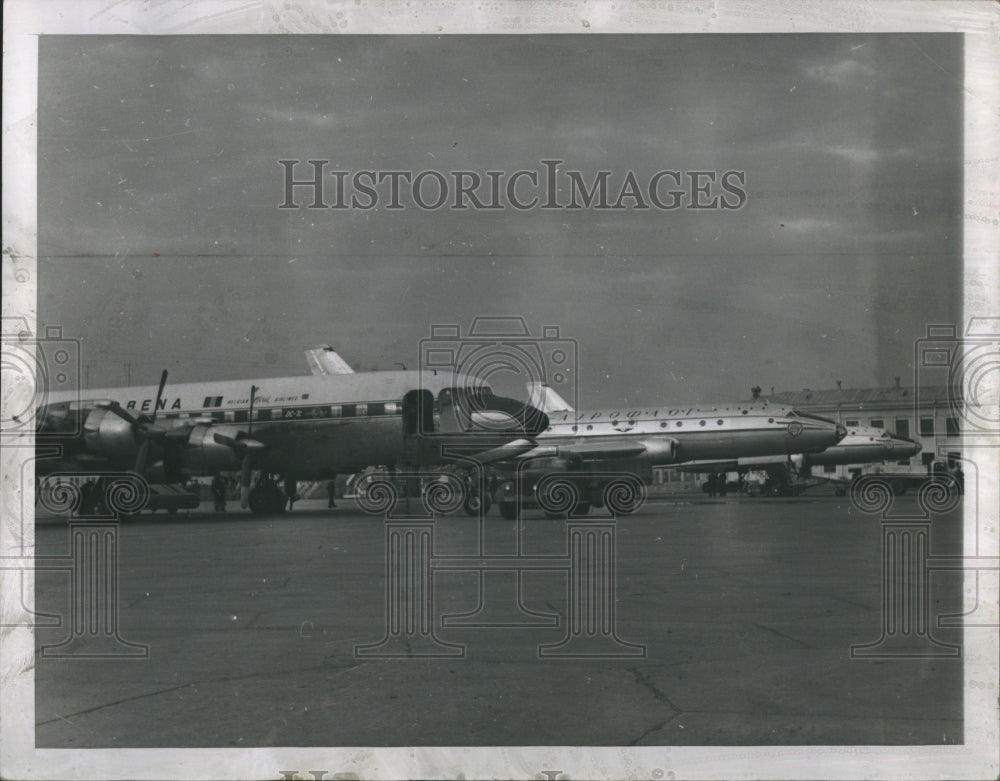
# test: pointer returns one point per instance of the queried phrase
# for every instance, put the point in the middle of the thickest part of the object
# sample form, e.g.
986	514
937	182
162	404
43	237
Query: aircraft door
418	421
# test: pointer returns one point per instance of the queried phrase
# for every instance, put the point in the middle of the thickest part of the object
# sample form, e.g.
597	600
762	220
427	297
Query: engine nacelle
206	456
107	434
659	450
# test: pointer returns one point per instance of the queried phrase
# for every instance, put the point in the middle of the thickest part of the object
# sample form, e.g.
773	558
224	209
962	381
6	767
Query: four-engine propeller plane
298	428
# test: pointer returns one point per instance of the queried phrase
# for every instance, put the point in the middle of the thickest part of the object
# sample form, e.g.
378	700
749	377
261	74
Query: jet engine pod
660	450
108	434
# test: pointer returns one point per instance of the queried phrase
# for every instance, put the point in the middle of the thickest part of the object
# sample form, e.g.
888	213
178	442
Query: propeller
246	471
144	426
244	447
150	429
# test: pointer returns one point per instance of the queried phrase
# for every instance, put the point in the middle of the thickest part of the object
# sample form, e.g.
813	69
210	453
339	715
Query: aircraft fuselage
699	432
312	427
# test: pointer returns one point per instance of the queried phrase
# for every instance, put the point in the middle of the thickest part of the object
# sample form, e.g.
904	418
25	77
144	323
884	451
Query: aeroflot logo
309	182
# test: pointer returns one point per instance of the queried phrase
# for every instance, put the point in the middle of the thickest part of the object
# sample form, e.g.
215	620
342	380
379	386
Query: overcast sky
161	242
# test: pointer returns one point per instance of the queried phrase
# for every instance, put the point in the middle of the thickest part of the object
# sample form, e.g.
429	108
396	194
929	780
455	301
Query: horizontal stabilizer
323	359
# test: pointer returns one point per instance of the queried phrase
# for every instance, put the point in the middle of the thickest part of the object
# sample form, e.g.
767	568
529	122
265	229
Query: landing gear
266	497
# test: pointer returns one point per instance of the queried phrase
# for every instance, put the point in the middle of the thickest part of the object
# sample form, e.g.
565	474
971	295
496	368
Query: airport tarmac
746	609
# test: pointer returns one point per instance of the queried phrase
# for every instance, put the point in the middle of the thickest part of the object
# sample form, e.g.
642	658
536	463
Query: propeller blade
159	393
239	446
141	458
118	410
245	475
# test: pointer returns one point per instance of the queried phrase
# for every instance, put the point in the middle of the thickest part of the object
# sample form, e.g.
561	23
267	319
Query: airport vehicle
285	429
598	458
791	475
951	479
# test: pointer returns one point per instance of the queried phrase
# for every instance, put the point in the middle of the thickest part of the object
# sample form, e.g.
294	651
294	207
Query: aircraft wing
323	359
726	465
734	464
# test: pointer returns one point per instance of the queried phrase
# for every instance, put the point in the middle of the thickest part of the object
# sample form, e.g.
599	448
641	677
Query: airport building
927	414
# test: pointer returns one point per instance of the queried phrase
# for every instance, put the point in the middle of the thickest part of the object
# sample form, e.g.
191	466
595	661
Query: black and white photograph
547	391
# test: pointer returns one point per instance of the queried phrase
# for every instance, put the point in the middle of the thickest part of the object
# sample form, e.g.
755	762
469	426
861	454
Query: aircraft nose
917	447
841	431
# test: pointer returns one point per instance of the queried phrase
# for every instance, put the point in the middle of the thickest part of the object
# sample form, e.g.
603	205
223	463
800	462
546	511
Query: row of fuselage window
320	412
628	424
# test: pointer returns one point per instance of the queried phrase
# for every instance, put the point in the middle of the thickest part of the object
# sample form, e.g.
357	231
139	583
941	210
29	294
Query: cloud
862	154
811	225
316	118
840	74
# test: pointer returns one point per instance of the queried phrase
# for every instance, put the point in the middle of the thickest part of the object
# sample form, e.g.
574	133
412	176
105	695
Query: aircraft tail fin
546	399
323	359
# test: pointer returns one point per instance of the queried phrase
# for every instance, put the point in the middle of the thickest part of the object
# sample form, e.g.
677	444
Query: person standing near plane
331	492
219	493
291	492
88	498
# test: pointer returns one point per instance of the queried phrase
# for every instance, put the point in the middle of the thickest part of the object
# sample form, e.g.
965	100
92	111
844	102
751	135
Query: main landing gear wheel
267	499
508	511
